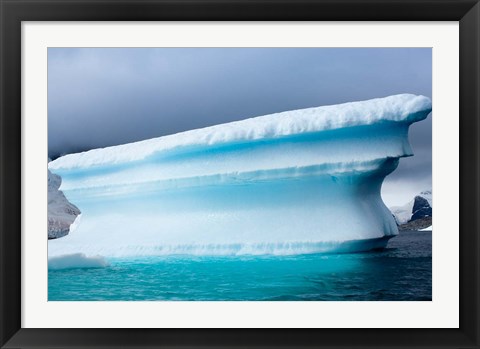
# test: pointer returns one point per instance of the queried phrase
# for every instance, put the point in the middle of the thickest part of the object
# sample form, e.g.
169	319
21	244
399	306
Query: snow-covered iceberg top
405	108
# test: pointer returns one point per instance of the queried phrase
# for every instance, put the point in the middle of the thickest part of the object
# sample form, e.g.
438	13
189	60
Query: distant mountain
416	214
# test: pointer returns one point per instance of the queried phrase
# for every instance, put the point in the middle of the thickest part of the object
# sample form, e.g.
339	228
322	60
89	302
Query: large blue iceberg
302	181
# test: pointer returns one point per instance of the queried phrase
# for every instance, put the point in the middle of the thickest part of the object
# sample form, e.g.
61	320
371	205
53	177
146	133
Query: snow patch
403	213
75	224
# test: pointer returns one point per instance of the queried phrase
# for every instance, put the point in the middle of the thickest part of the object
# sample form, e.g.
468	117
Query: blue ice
303	181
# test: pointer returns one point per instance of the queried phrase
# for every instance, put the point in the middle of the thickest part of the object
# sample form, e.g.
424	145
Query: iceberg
302	181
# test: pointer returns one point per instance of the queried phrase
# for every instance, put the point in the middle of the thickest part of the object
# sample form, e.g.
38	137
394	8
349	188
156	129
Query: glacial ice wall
301	181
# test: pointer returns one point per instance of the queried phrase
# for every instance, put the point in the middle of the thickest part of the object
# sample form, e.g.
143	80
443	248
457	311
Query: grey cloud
102	97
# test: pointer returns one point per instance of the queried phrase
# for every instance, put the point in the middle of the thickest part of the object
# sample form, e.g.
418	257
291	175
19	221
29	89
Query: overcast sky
99	97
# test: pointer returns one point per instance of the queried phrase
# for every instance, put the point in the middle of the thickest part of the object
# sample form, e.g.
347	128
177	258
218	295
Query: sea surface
400	272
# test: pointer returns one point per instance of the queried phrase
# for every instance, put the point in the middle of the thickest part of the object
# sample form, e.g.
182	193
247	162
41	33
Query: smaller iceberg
302	181
77	260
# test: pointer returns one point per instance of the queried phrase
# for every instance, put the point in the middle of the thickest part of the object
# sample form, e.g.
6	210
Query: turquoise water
402	271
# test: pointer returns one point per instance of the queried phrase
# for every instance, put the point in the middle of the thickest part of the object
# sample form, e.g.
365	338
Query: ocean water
400	272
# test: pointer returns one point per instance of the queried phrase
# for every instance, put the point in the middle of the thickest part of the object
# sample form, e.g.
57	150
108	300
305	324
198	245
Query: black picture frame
13	12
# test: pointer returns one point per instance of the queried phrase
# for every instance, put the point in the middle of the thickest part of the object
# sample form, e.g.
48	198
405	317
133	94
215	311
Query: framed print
239	174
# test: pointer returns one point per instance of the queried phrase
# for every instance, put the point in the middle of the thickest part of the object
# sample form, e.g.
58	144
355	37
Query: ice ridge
403	108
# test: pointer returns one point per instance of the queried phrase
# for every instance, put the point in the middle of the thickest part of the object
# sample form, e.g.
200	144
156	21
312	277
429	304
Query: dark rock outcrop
421	209
417	224
61	213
